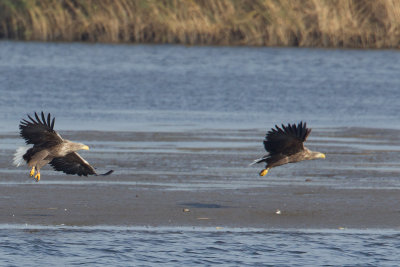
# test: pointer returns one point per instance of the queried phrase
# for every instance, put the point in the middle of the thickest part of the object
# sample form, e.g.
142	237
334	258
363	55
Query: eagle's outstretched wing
73	163
287	140
40	131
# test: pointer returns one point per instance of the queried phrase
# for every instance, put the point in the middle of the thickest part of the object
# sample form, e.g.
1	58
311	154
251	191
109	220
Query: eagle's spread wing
287	140
40	131
74	164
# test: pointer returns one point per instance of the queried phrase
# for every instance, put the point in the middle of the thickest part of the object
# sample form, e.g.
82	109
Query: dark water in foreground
211	94
142	246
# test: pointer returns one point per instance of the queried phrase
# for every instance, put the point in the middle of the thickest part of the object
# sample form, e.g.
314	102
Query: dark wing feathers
39	131
286	140
73	163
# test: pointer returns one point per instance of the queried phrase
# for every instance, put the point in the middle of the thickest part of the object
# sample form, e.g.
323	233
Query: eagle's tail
19	155
259	160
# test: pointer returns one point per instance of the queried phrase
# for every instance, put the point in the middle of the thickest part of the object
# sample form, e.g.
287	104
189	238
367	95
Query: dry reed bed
321	23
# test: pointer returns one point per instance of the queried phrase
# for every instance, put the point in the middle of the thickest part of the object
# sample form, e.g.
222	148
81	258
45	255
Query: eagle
285	145
50	147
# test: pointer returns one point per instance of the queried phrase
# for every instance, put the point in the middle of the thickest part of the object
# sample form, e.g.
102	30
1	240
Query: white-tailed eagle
285	145
50	147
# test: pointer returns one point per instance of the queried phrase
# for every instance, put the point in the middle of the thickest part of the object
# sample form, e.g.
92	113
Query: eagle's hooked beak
85	147
322	156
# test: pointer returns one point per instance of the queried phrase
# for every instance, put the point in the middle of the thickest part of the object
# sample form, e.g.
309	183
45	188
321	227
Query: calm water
211	89
126	86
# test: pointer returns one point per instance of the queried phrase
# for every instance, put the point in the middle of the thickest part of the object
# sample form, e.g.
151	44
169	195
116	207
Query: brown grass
307	23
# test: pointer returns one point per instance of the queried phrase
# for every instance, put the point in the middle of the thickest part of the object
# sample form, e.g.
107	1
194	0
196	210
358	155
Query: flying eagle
50	147
285	145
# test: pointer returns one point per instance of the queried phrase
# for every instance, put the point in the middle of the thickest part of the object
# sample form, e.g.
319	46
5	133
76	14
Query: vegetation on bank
306	23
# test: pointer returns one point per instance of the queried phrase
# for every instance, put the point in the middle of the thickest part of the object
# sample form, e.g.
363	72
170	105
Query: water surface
33	245
128	87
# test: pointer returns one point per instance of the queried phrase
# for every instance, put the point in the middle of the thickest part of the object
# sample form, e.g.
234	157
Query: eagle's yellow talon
32	172
264	172
37	177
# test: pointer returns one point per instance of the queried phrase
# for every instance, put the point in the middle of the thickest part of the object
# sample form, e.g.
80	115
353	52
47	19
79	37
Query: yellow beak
322	156
85	148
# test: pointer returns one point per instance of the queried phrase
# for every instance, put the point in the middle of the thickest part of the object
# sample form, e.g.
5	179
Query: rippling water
134	246
127	86
199	114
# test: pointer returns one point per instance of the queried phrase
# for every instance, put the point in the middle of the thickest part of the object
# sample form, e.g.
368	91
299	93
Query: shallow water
147	246
191	119
214	159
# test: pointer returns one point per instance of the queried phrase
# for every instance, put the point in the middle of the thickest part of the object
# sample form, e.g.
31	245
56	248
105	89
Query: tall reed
322	23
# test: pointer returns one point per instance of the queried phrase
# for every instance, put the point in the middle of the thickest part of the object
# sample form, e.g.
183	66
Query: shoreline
145	228
301	207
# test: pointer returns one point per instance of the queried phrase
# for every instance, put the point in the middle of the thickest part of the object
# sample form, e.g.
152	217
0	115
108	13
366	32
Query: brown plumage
285	145
50	147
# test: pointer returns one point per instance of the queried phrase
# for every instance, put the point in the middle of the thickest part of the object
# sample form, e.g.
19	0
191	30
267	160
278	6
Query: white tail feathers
18	155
